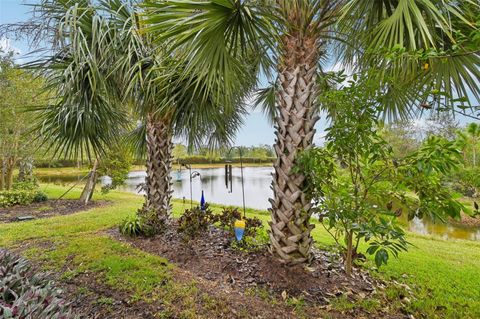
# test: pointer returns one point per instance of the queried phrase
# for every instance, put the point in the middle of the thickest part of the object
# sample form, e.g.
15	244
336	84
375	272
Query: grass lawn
445	275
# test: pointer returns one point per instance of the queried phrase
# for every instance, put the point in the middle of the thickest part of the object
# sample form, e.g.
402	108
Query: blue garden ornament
239	227
202	202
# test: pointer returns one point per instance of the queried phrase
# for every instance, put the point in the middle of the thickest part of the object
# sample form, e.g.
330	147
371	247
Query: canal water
257	192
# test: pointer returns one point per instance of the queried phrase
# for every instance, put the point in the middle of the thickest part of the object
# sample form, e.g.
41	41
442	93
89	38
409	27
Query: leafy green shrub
144	223
27	294
131	226
252	241
195	220
40	197
29	185
22	193
20	197
16	197
228	217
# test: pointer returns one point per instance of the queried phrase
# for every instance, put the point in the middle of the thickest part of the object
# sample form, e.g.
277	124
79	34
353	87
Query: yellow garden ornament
426	66
239	227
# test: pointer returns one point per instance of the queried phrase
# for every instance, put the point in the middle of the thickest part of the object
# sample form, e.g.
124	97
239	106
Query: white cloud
6	46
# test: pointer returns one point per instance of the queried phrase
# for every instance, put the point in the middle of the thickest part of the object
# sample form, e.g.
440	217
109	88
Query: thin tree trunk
349	256
159	164
10	167
89	188
291	208
2	173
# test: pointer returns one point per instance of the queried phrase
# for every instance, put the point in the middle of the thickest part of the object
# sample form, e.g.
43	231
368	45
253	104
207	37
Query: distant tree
19	91
442	124
401	136
116	163
468	140
179	151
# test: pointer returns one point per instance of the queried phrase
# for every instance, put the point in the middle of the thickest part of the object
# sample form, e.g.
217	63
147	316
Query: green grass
78	238
445	275
61	171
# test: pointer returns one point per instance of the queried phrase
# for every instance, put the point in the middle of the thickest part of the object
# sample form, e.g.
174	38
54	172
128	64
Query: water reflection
257	192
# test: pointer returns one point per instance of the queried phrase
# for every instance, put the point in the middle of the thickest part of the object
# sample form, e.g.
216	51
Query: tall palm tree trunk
290	227
159	163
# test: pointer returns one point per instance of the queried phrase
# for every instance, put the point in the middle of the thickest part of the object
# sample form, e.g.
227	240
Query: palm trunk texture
159	163
290	227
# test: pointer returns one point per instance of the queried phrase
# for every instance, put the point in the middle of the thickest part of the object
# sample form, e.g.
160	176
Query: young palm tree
106	74
404	41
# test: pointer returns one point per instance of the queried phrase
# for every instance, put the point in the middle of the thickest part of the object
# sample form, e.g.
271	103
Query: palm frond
265	98
418	47
213	37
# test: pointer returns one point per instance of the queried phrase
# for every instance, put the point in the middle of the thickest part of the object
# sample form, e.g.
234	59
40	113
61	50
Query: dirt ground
260	281
46	209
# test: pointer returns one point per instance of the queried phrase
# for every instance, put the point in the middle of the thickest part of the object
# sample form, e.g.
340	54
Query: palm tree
402	43
106	73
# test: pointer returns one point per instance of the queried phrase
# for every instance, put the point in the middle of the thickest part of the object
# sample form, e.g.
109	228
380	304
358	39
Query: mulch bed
49	208
236	280
219	267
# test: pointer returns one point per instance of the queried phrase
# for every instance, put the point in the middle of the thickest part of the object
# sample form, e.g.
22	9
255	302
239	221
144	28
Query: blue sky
256	129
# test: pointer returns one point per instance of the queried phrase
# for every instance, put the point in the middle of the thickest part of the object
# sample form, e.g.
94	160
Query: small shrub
195	220
251	243
22	193
144	223
28	185
252	226
228	216
27	294
40	197
131	226
16	197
